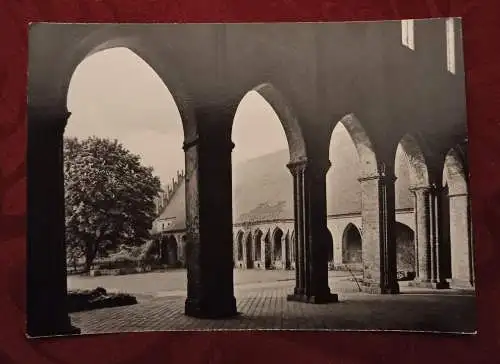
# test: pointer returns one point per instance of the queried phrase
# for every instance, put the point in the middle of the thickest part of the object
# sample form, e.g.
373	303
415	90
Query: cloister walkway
263	305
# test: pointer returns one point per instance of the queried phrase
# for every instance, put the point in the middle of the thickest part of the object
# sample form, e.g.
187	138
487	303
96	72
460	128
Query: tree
109	197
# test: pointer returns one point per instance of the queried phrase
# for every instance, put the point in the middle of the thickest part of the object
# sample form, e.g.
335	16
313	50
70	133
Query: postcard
257	176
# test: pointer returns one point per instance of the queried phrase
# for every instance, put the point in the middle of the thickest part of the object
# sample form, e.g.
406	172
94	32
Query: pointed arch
454	172
287	117
277	243
351	245
461	239
105	37
419	174
405	249
366	151
168	250
258	244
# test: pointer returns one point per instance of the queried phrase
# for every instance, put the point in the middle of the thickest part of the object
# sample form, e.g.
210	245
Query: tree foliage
109	197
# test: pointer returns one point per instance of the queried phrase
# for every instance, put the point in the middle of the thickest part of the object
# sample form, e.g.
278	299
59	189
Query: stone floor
263	305
175	280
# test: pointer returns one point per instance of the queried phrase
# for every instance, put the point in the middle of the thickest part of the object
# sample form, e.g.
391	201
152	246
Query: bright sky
115	94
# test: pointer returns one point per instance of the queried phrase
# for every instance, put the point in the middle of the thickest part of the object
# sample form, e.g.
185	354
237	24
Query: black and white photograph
248	176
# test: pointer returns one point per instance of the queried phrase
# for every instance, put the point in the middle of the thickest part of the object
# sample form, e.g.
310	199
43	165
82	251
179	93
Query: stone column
288	251
283	251
472	248
437	279
272	247
378	217
311	264
249	251
235	250
245	251
209	226
462	266
422	235
292	250
47	312
264	247
257	252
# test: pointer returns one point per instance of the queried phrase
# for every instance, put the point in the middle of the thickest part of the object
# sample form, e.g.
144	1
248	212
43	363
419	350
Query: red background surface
481	25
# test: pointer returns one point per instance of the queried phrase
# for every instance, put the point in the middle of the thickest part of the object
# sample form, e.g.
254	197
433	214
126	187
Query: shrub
85	300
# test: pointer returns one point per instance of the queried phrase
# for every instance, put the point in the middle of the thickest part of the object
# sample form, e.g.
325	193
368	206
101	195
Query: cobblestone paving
266	307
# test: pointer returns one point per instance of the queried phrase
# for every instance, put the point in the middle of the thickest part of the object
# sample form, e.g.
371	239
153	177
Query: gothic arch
287	117
351	245
419	174
454	172
172	256
366	151
461	240
405	248
277	243
109	37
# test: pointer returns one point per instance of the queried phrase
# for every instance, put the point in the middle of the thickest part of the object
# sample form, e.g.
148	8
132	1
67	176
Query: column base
376	288
48	329
428	284
214	308
462	284
320	299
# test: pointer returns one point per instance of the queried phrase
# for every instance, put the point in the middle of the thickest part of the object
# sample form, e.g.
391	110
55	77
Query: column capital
316	167
48	118
212	143
191	142
297	167
381	177
423	189
321	166
435	187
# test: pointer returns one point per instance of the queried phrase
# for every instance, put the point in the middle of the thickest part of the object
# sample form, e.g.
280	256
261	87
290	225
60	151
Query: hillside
263	189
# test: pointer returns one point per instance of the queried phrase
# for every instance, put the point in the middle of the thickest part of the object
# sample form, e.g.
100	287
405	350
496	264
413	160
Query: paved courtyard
261	300
155	283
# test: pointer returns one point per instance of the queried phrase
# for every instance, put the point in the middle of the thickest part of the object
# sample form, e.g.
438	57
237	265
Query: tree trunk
90	253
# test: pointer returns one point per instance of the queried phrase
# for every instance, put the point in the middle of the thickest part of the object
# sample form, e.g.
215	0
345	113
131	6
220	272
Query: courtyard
262	304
